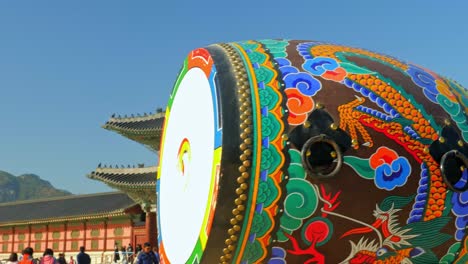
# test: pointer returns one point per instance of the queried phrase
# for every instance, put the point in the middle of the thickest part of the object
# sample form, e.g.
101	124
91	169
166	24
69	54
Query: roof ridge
67	197
138	118
123	170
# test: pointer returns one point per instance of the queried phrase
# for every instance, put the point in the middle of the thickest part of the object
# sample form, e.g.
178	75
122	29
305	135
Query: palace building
97	221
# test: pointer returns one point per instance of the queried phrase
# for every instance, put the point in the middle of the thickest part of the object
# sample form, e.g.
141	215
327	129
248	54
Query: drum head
280	151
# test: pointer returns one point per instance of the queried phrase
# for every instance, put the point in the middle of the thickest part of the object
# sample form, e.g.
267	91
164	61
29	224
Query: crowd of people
122	255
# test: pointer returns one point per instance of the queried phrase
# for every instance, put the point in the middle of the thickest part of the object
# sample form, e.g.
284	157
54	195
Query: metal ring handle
443	168
325	139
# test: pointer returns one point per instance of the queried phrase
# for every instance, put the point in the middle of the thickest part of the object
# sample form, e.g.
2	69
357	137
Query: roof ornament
99	165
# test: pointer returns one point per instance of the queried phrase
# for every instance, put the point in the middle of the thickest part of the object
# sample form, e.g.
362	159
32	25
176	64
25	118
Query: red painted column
105	234
29	236
13	241
65	237
84	234
47	236
151	227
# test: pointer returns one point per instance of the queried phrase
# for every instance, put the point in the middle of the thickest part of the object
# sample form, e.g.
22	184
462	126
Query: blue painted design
304	82
424	80
390	176
320	65
278	256
417	212
460	210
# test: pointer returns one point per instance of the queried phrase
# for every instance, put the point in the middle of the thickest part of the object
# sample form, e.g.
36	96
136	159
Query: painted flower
391	170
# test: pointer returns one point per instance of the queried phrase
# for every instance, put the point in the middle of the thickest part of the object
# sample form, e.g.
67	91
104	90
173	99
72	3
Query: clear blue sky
66	66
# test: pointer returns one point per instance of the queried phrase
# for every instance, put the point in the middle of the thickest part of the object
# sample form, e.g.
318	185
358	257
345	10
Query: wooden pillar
13	240
29	236
105	234
47	236
151	227
84	234
65	237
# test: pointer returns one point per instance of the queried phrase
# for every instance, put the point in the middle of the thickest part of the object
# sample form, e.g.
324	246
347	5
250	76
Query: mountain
26	187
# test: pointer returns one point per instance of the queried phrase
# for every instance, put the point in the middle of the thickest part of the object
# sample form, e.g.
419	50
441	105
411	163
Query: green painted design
95	232
37	247
264	74
268	98
21	237
277	47
118	231
300	203
295	156
94	244
20	247
464	258
289	223
75	234
296	171
260	224
360	166
455	111
353	68
257	57
271	159
74	245
248	46
196	253
255	145
448	203
280	234
267	192
252	251
461	92
450	107
55	235
77	223
119	220
55	245
430	235
449	258
395	202
5	248
38	235
5	237
270	126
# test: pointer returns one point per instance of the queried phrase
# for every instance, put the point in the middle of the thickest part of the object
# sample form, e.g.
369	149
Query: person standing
28	256
13	259
130	253
147	256
82	257
72	261
48	257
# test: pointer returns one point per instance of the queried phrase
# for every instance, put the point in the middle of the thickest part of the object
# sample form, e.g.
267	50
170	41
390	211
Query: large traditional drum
280	151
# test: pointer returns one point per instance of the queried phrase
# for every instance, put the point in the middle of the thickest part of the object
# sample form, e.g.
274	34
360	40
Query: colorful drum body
280	151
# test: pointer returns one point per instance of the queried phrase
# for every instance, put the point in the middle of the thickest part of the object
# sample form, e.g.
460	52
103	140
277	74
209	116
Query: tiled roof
144	129
143	177
73	206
